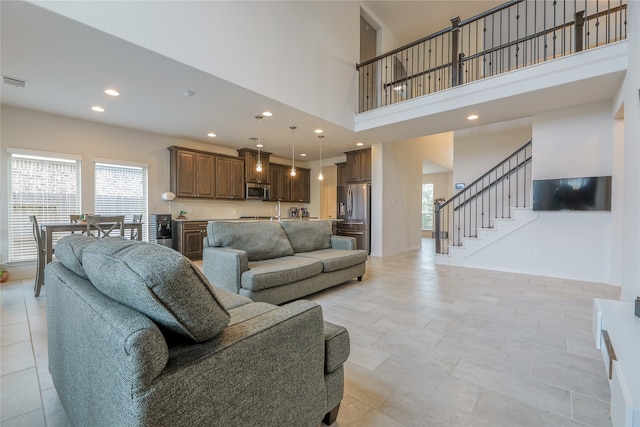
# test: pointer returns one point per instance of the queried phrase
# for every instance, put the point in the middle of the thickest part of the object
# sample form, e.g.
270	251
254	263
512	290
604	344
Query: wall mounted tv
572	194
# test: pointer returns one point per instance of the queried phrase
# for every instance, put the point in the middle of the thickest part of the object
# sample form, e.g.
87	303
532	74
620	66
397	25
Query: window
121	189
427	206
43	184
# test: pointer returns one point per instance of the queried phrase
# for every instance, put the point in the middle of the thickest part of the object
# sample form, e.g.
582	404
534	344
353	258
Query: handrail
490	196
486	174
474	49
407	46
494	183
490	12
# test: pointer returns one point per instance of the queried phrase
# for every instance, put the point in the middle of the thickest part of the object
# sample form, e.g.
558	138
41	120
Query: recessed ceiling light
303	155
211	135
188	92
259	145
98	109
472	117
112	92
318	131
267	113
359	144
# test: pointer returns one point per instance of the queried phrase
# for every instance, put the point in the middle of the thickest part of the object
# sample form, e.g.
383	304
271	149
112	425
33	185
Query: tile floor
430	346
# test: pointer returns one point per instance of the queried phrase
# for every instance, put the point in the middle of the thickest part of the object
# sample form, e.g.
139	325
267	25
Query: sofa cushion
261	239
69	252
306	236
336	259
277	272
158	282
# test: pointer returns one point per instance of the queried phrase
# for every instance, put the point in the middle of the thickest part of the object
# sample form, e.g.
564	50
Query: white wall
628	98
47	132
572	142
442	184
302	54
399	195
475	152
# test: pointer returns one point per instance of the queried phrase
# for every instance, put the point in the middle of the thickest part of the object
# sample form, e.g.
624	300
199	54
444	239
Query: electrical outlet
536	253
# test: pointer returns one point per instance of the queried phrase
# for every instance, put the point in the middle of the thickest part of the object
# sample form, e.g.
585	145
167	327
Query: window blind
40	185
121	189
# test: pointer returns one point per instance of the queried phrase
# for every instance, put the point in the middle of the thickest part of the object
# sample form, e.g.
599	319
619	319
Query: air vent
14	81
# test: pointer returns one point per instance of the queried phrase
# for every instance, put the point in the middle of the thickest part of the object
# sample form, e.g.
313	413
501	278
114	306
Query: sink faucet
278	210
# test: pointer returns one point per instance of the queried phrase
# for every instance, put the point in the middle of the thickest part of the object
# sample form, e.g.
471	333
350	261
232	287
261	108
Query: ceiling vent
14	81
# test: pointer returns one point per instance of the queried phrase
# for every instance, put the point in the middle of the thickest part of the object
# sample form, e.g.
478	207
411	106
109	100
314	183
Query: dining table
48	228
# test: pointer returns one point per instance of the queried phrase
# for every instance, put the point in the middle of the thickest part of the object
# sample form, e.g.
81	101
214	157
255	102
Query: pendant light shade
259	145
293	150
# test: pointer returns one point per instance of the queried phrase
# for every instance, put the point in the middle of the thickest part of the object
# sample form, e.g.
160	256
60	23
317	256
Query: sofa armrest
343	242
274	362
99	350
336	346
223	267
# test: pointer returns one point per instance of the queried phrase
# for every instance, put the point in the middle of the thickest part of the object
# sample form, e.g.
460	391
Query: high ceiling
64	61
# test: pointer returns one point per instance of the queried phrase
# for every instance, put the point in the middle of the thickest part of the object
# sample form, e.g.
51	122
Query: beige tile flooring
430	346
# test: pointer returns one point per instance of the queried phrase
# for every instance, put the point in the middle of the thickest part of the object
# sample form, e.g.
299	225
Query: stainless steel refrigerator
354	209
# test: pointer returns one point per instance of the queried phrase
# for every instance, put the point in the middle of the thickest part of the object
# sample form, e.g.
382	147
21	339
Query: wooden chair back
105	226
40	259
134	231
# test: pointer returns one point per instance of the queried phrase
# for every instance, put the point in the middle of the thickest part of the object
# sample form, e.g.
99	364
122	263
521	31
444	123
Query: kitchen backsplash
223	209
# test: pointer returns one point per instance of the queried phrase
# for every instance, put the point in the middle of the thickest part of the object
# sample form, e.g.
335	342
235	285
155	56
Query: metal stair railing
491	196
514	35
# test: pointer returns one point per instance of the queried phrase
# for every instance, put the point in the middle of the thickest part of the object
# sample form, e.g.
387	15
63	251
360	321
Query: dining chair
75	219
134	231
104	226
41	254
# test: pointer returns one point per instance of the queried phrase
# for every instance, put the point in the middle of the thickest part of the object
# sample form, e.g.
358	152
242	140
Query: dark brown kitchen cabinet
359	165
229	181
250	157
301	186
342	173
287	188
192	173
188	238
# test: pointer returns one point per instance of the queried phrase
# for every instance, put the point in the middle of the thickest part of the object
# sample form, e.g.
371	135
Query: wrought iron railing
514	35
491	196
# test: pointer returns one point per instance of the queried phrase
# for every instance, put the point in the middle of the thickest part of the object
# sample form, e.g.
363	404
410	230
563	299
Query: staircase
487	236
492	207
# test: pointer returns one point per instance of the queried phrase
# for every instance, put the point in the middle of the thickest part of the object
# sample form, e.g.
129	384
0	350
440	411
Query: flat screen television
572	194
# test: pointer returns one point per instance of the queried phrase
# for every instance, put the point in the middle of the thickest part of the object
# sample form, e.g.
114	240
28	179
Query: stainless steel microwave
257	191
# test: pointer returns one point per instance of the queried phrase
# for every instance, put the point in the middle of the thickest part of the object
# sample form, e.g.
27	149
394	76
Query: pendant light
259	145
320	177
293	151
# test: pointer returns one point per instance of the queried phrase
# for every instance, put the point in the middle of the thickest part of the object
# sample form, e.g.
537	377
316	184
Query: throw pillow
158	282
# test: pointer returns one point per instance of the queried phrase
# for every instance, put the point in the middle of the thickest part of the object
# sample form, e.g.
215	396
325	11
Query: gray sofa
138	337
276	262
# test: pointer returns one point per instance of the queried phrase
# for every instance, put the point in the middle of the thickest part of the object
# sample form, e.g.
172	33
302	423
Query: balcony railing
514	35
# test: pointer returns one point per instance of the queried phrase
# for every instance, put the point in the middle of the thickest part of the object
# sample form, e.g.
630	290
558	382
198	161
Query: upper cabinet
205	175
342	173
250	157
287	188
358	165
301	186
192	173
229	178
